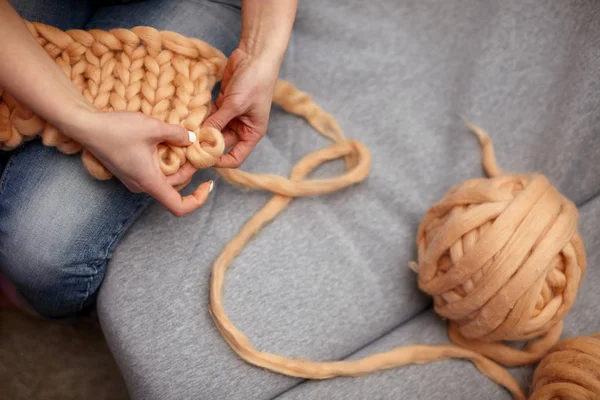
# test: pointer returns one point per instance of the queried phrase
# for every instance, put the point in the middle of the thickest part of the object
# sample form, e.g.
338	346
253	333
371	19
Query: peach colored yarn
501	256
570	371
503	260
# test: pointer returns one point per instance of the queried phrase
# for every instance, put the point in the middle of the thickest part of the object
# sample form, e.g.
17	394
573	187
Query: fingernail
211	186
192	136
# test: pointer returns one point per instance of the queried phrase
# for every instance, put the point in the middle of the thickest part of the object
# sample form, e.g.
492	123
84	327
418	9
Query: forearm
31	76
267	27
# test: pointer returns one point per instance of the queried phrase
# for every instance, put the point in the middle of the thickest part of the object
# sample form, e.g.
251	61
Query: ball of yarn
503	260
571	370
501	257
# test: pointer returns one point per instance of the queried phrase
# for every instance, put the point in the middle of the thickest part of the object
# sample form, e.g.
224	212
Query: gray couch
328	280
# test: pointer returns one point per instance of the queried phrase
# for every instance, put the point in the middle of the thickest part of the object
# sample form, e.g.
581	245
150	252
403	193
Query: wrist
75	121
258	50
263	66
267	27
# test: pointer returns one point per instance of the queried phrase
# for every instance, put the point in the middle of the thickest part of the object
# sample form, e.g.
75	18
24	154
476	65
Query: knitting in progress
162	74
501	256
169	77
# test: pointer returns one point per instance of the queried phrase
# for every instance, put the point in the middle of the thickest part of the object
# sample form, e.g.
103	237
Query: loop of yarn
570	371
501	256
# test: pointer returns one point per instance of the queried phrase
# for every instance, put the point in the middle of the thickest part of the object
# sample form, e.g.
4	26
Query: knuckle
233	164
155	125
212	123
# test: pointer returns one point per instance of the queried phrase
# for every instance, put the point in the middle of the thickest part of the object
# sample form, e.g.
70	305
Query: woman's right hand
126	144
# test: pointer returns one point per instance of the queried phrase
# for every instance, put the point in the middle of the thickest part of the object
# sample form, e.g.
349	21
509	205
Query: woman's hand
243	105
126	144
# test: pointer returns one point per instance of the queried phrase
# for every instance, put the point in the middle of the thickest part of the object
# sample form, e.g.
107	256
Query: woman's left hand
243	105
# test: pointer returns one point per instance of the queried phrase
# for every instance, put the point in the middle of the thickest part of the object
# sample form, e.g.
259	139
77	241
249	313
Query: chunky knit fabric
162	74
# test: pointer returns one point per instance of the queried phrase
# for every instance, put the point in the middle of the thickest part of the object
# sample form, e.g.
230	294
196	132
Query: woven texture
169	77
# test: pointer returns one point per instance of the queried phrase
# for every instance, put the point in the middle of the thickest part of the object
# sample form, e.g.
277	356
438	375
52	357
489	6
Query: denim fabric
58	225
65	14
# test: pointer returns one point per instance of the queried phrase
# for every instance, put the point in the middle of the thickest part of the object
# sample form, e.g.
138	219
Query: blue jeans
58	225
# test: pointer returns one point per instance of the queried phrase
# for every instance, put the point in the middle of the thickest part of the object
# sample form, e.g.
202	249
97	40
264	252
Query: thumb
175	135
220	118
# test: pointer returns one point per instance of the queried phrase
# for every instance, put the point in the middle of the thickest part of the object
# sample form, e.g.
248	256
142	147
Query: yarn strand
356	154
488	156
400	356
485	353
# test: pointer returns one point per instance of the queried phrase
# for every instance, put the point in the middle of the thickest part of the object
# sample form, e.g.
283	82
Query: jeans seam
124	224
90	279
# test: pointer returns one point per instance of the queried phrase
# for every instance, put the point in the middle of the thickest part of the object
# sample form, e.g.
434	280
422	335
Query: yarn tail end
414	266
483	137
488	157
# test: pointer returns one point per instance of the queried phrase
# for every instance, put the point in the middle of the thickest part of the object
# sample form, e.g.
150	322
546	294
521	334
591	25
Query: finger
179	205
175	135
221	117
183	185
230	138
184	174
133	188
236	156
